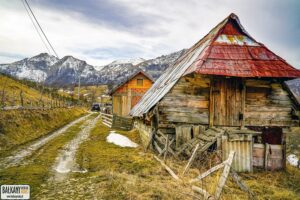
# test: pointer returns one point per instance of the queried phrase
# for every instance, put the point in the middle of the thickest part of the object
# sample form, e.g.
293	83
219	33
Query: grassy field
130	173
18	127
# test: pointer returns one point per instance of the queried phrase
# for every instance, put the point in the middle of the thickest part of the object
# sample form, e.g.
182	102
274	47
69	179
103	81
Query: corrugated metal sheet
294	88
242	161
228	50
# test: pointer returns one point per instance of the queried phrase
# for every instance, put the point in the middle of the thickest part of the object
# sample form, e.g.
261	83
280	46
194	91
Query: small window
139	82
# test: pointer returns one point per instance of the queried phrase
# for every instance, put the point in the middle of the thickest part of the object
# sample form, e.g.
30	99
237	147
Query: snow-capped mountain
134	61
66	71
35	68
117	71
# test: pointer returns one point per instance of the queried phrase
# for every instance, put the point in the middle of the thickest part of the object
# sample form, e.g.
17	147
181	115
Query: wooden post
211	104
266	155
224	175
284	148
243	104
21	98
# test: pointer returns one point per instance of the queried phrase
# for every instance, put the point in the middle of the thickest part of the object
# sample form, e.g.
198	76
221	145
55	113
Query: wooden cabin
127	94
225	92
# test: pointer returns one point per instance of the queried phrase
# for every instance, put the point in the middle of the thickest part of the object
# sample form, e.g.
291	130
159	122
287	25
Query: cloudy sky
100	31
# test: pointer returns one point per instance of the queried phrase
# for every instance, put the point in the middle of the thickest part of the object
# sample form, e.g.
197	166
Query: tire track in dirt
66	161
19	155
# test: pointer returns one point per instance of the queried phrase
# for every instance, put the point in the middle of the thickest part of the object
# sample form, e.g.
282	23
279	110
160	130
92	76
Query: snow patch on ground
120	140
293	160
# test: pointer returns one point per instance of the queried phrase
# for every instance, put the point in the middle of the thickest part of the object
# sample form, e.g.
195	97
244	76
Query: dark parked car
96	107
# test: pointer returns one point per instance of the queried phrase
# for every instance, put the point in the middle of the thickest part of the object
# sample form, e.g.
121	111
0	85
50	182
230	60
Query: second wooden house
127	94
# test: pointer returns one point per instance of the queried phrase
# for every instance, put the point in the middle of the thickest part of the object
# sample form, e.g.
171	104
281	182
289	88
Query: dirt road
19	155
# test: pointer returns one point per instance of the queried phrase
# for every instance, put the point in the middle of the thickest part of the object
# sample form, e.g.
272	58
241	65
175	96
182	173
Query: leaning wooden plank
107	124
182	148
207	145
157	147
240	183
187	167
203	192
211	170
168	169
224	175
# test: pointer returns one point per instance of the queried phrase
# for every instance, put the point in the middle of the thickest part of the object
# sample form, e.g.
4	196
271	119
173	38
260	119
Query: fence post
21	98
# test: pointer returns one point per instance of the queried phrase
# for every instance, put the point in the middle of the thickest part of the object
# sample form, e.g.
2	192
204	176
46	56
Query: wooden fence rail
107	119
117	122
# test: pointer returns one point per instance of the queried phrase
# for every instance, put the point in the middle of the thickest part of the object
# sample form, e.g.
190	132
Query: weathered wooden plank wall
187	102
267	104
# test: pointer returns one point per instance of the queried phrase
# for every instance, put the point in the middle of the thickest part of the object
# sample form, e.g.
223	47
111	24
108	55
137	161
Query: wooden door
227	97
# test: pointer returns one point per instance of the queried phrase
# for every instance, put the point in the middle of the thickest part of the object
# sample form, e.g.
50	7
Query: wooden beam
224	175
168	169
187	167
157	147
211	170
240	183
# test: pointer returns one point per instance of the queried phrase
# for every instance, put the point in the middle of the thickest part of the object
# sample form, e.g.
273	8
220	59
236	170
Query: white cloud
176	25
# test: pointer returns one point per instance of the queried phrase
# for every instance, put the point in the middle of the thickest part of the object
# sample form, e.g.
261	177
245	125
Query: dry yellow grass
18	127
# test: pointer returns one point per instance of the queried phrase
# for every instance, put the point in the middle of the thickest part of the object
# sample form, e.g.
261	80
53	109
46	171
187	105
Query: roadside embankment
18	127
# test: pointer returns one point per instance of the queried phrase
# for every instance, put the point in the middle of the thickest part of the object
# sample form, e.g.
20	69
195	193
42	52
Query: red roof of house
233	52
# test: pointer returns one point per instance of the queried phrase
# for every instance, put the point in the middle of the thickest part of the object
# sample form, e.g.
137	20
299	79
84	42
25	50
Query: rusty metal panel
243	153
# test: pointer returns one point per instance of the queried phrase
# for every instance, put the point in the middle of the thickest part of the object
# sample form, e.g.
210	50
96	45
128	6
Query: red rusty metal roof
233	52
